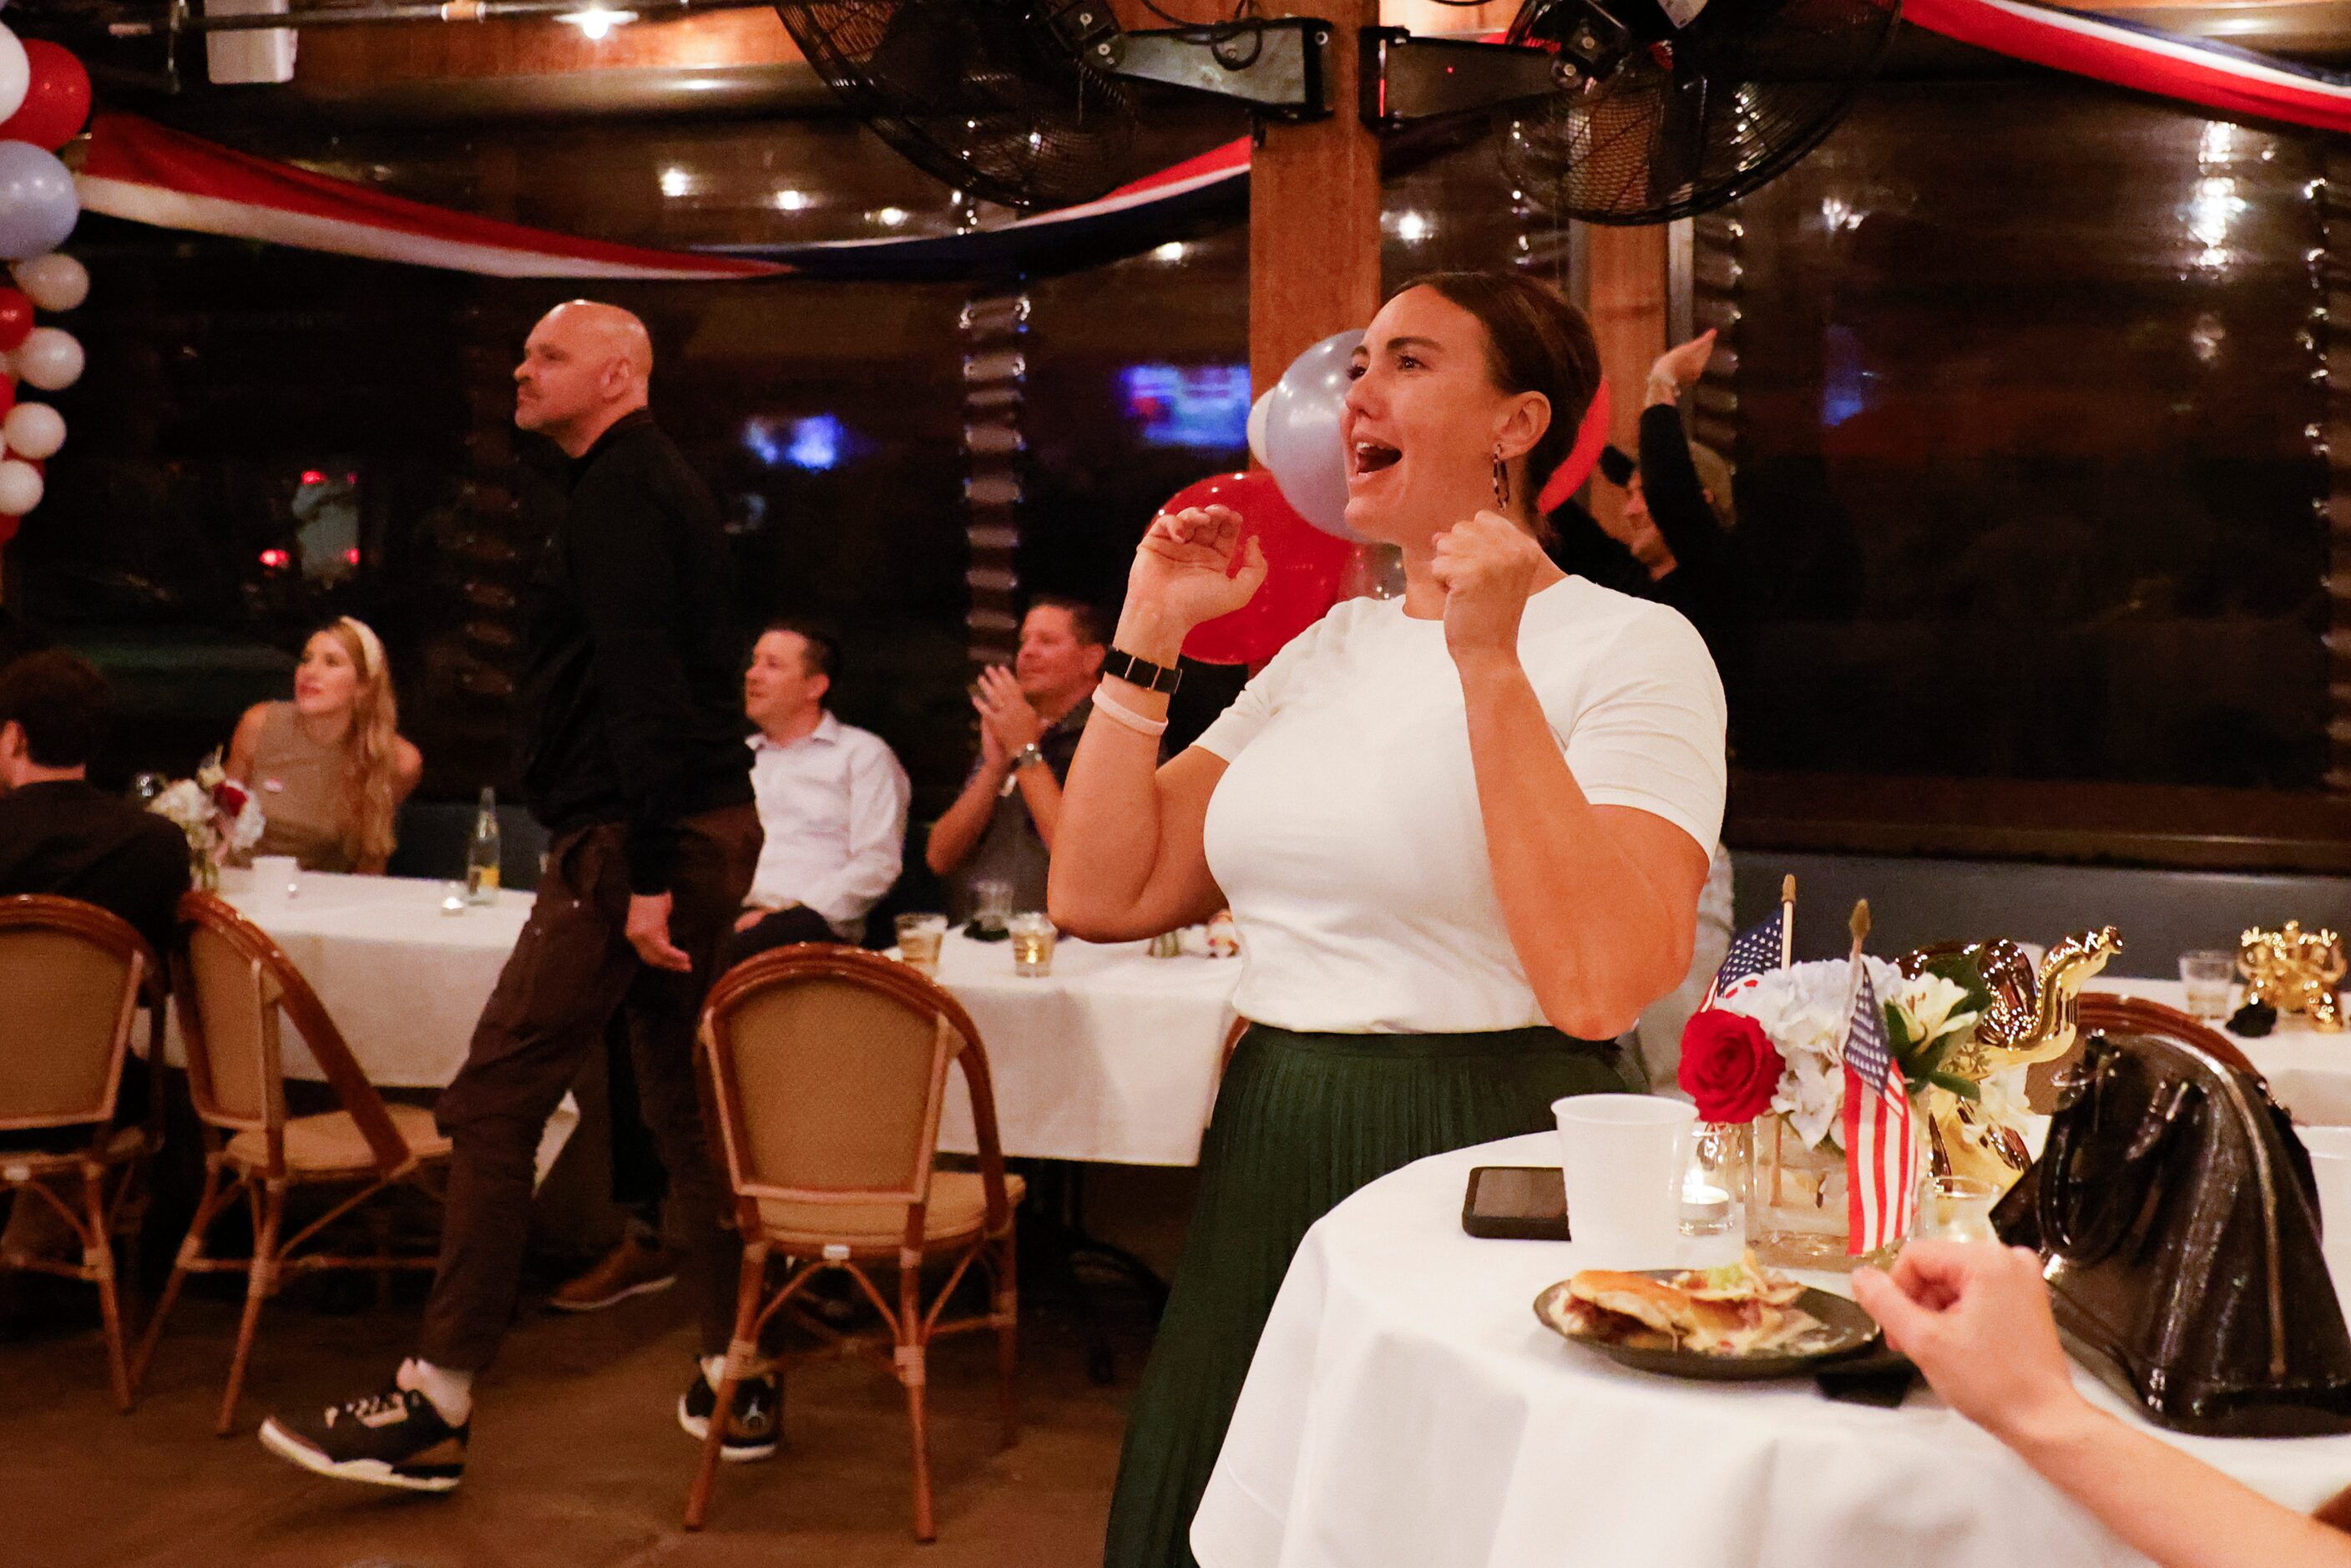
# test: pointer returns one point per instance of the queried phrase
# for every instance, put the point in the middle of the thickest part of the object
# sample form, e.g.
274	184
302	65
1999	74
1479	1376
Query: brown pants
570	970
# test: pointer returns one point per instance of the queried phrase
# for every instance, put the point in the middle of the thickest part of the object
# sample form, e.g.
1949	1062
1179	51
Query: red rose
1728	1066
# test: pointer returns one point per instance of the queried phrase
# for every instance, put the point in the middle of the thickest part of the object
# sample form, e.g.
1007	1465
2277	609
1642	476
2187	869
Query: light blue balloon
38	203
1302	445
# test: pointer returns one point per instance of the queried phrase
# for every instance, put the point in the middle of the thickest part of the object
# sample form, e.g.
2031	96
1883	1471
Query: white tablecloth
1113	1056
1405	1409
403	981
2309	1072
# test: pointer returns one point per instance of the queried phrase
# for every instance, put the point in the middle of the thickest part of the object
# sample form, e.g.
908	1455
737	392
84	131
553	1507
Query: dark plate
1846	1330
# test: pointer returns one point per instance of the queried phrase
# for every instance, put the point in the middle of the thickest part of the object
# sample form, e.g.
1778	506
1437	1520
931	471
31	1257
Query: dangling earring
1501	479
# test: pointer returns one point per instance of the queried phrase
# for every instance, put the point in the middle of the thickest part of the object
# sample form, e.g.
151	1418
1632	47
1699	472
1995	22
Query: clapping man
1000	829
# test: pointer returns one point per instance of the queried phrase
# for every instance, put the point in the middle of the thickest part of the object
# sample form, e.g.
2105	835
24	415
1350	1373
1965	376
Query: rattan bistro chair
234	986
74	976
828	1068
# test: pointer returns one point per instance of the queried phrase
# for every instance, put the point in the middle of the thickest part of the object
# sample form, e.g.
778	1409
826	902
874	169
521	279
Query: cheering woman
1463	833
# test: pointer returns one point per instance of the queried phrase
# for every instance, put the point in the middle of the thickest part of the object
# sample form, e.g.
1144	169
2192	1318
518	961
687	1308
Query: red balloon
16	319
8	527
56	100
7	394
1302	569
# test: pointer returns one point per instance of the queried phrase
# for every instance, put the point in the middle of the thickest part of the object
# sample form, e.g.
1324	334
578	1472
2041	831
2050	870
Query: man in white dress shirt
833	801
832	798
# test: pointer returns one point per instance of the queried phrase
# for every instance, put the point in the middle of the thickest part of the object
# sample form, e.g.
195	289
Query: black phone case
1516	1203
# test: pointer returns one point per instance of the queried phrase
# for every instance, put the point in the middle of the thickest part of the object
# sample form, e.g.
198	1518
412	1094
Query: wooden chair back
828	1067
235	987
2111	1012
74	975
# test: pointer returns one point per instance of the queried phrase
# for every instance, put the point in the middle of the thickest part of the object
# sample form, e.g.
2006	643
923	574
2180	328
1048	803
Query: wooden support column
1627	288
1314	213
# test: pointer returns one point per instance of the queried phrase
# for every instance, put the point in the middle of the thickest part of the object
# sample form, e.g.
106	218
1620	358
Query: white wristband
1119	713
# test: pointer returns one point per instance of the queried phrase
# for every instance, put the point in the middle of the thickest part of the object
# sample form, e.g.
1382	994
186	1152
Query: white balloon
20	487
49	357
53	282
1256	419
33	430
15	74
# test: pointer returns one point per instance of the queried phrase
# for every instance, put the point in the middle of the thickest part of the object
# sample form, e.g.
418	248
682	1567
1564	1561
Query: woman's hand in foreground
1487	565
1975	1317
1184	575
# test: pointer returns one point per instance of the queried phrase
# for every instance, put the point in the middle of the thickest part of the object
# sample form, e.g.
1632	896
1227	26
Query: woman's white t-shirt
1346	831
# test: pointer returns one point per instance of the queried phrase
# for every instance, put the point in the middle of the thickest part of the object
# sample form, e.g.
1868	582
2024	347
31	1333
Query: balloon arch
43	101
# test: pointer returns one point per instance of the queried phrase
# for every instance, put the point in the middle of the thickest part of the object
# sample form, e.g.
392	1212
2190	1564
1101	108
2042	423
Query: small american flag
1753	951
1881	1144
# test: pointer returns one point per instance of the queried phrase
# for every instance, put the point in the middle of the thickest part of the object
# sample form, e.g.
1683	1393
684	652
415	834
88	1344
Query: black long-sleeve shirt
630	696
1709	582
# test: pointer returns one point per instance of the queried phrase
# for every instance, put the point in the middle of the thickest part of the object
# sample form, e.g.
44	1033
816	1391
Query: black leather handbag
2178	1221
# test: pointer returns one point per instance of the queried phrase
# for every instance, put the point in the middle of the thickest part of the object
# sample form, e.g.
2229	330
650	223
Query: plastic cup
919	937
1623	1157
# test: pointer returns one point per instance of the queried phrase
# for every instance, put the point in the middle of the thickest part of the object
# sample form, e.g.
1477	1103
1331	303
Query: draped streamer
142	172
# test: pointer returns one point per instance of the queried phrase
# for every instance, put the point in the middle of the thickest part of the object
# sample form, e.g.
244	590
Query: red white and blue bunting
144	173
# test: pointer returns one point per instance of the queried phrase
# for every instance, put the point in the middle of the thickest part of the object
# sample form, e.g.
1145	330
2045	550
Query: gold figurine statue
2294	971
2034	1018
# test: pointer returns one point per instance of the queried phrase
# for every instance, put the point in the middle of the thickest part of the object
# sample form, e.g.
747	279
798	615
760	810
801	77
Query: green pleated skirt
1302	1121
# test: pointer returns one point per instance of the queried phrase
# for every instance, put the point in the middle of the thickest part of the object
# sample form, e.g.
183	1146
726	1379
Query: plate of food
1734	1322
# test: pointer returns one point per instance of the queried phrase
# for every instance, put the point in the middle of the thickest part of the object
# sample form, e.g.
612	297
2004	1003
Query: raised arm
960	827
1128	858
1600	902
1669	478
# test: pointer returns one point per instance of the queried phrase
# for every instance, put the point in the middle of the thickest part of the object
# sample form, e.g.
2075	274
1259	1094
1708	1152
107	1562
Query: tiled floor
577	1458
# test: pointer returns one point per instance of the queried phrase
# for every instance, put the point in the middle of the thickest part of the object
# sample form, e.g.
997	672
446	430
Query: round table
1405	1408
1113	1057
404	980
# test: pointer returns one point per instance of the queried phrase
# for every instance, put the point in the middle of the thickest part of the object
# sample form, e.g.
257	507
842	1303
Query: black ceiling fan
1026	102
1640	111
1616	111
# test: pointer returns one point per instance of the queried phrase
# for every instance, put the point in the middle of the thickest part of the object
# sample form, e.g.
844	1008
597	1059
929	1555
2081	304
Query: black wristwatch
1138	671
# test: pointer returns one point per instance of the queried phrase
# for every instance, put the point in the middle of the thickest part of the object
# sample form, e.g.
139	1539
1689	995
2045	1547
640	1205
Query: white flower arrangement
219	816
1802	1010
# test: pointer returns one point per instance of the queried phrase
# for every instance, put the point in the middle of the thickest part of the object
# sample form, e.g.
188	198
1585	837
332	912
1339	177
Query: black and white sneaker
751	1430
396	1438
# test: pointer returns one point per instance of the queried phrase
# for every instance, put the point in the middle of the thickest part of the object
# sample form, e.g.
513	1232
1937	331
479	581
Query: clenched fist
1487	565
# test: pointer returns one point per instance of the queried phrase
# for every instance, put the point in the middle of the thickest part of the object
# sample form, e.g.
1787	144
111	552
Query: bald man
629	724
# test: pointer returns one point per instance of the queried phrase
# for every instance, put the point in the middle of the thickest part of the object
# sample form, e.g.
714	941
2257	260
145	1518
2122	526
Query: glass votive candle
1033	943
919	937
1714	1178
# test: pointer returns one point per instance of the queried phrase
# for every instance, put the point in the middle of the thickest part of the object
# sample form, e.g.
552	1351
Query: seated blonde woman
329	768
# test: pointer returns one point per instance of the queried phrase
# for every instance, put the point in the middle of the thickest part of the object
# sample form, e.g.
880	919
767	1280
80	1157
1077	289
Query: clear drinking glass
919	937
1957	1208
991	905
1032	944
2210	979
